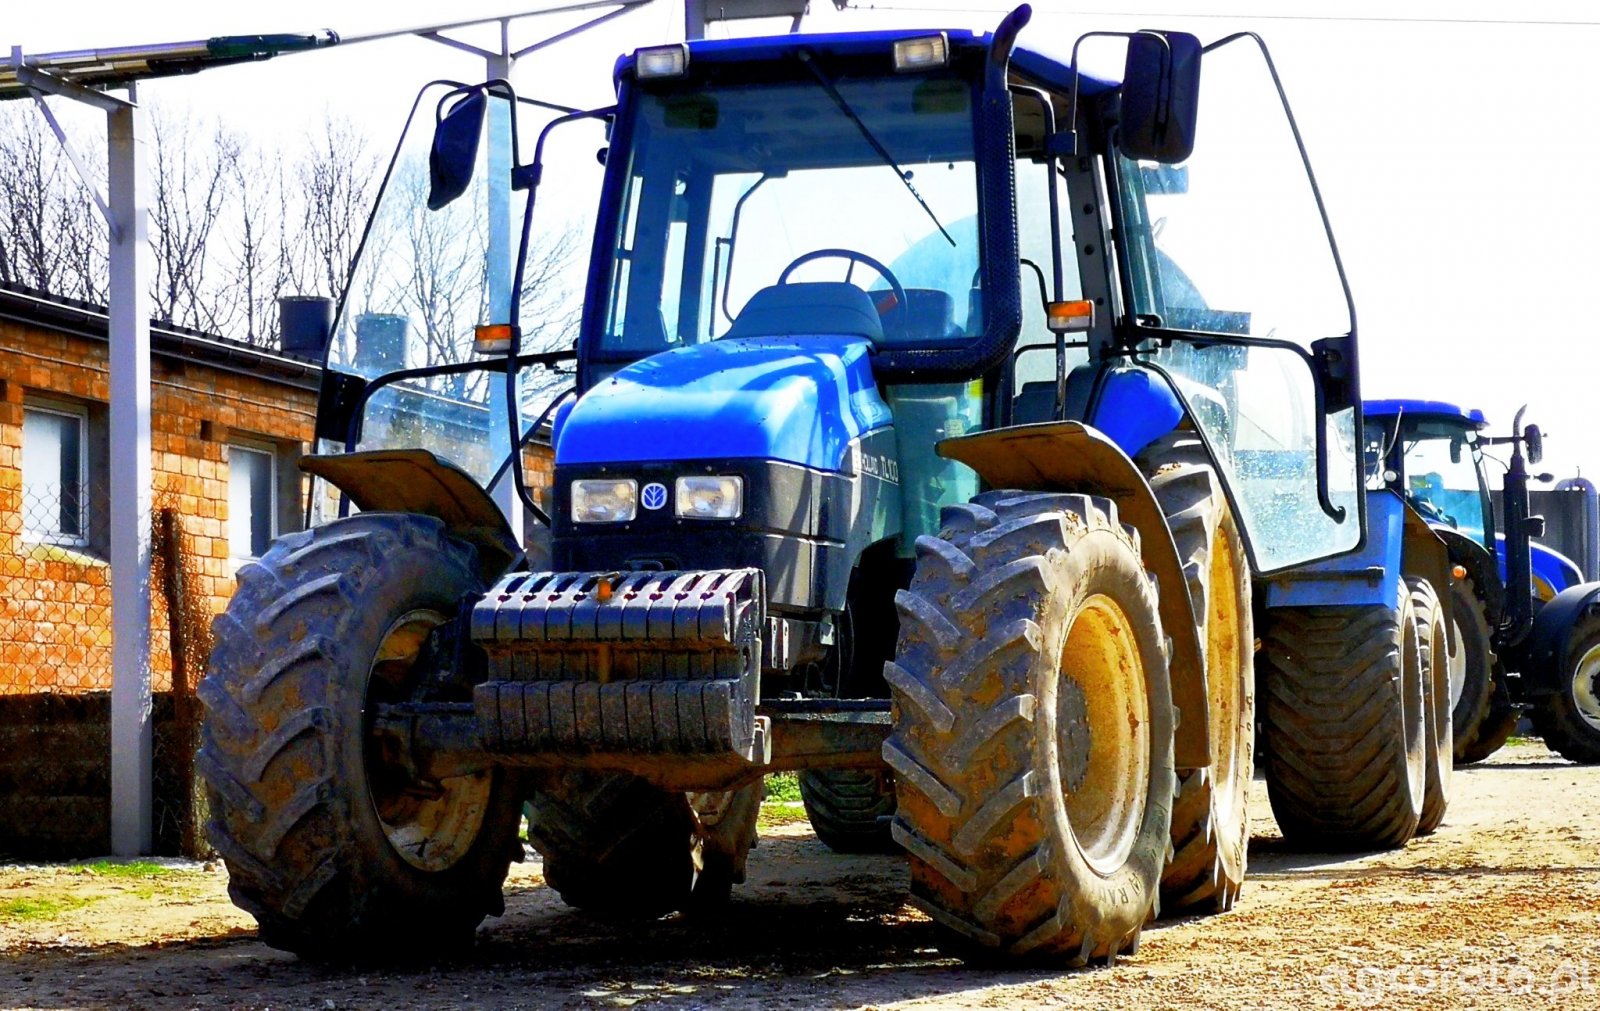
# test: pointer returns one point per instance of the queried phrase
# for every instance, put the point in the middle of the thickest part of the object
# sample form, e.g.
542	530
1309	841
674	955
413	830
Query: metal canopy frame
85	76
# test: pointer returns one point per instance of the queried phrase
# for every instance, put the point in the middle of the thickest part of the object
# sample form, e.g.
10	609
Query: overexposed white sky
1454	151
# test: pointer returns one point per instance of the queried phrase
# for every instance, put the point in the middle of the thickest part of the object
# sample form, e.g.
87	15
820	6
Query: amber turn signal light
1069	317
492	338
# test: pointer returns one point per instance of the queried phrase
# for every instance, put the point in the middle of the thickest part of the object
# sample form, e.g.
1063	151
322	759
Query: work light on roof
925	52
662	61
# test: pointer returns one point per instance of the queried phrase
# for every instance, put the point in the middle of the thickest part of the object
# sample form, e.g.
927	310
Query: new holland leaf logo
654	495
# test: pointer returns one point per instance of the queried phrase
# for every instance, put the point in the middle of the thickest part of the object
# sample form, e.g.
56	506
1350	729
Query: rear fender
416	481
1071	457
1544	671
1399	544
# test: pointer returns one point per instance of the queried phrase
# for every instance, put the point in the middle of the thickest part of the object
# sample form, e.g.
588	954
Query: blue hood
798	401
1557	570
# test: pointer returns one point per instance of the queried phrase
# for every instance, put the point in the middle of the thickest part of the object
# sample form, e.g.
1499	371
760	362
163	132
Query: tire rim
1103	733
1585	689
1224	650
431	825
1413	699
1457	665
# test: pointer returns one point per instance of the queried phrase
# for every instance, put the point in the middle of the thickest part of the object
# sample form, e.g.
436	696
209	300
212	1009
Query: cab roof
1047	69
1423	408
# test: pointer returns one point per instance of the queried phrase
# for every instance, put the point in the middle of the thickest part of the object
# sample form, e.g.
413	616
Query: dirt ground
1500	909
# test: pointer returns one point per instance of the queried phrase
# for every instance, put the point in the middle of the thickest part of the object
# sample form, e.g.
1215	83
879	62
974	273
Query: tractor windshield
733	188
1443	477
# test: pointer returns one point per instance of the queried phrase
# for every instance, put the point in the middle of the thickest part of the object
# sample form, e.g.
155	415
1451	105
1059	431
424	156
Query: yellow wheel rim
431	825
1103	733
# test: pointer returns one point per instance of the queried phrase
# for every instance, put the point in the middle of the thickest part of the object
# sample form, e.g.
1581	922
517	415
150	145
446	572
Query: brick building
229	423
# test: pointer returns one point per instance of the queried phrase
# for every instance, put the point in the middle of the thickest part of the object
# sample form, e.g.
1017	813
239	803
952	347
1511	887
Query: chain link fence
55	675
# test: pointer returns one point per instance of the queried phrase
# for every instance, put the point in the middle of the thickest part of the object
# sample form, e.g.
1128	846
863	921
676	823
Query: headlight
709	498
604	500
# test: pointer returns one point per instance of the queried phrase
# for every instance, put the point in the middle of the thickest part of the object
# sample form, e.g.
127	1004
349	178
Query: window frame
79	414
264	448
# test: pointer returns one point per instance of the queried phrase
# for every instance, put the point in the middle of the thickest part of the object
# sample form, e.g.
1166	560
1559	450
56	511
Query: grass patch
783	786
137	870
774	815
43	907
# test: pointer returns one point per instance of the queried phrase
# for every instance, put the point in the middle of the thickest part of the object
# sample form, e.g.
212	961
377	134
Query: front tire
1033	722
1482	717
329	841
1569	721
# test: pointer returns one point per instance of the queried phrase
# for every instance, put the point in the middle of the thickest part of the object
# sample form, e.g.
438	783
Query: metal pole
130	492
499	266
694	19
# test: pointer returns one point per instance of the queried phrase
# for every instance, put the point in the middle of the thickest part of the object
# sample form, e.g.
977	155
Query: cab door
1233	289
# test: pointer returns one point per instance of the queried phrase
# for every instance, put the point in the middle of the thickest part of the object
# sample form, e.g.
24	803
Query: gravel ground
1499	909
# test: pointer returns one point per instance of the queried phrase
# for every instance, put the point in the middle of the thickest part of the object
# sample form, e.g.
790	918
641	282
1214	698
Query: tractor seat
929	314
808	308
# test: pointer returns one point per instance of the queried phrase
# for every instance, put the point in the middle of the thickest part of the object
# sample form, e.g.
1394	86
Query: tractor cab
1430	452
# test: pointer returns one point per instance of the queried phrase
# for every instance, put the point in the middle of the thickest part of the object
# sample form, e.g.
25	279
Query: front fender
416	481
1069	456
1544	671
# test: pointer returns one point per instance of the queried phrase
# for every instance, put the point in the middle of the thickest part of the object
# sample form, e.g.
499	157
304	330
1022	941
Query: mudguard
1069	456
416	481
1399	543
1487	578
1544	672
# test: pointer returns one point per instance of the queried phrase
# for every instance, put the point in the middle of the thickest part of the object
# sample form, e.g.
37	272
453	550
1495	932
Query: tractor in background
903	451
1516	654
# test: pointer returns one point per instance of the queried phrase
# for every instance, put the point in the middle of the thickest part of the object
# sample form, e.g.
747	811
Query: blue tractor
1512	655
900	452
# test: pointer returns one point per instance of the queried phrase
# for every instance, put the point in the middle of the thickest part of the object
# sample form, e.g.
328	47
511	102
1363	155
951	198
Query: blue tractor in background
900	451
1516	651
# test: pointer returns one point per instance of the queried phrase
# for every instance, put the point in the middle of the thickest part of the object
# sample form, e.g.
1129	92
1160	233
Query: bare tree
52	237
191	185
336	180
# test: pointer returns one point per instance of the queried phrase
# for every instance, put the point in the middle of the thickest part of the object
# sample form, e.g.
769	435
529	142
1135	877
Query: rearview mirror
1455	450
1535	440
1160	96
454	156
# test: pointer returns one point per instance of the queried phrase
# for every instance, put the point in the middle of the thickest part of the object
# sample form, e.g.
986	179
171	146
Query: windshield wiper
888	159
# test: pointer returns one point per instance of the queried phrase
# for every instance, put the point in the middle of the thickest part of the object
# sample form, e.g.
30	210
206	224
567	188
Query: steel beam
130	492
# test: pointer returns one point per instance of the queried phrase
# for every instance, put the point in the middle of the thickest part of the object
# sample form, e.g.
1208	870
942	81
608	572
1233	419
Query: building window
252	500
55	502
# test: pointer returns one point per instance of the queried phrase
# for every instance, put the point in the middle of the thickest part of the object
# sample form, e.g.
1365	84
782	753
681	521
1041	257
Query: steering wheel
854	257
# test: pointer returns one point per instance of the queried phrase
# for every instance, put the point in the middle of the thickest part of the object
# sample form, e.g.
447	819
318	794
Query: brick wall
54	611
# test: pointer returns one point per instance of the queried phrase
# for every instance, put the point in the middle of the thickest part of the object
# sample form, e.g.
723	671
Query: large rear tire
1482	717
617	846
1569	721
1210	819
331	841
850	808
1433	659
1033	721
1343	730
